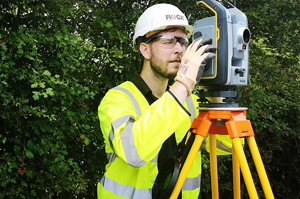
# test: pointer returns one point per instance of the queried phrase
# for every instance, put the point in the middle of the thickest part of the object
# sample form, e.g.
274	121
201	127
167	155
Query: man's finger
203	42
207	57
210	49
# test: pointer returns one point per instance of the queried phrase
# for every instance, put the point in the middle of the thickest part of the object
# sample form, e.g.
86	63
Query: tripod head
218	98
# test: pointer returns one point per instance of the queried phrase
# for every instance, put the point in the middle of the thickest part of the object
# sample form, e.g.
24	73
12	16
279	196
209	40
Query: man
142	121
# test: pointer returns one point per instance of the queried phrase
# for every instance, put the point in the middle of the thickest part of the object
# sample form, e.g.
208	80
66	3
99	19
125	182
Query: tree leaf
50	91
86	127
35	85
42	84
47	73
29	154
36	95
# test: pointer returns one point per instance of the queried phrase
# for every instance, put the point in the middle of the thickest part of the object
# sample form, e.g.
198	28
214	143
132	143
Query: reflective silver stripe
116	124
155	159
190	103
130	150
192	183
111	138
132	98
203	145
111	157
125	190
127	140
221	146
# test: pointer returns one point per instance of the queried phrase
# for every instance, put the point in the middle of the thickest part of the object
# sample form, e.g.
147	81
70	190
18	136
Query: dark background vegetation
59	57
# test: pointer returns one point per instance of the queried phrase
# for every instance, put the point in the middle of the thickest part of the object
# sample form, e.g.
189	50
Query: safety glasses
169	41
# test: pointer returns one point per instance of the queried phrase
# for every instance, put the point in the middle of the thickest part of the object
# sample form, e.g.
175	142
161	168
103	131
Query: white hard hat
159	17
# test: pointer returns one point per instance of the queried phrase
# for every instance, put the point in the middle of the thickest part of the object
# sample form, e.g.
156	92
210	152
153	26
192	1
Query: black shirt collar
144	88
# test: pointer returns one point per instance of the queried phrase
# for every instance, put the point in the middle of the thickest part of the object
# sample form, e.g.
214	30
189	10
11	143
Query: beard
160	68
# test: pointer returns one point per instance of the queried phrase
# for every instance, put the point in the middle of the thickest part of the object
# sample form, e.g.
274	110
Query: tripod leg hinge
201	126
238	129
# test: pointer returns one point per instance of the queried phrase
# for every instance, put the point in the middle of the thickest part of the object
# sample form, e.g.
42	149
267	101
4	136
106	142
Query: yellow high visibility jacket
134	132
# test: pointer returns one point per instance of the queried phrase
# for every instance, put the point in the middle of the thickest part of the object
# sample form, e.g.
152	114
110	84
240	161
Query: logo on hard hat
174	17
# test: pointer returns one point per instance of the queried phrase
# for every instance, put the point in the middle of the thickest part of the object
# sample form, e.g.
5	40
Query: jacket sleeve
135	138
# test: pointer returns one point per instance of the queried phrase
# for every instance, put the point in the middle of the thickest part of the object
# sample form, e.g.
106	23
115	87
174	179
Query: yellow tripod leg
213	166
260	168
238	149
236	176
187	166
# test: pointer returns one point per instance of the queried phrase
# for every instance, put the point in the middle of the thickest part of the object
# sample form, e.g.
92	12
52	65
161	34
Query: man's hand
193	62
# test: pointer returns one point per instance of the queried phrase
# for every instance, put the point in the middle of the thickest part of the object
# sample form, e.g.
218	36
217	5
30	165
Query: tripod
233	123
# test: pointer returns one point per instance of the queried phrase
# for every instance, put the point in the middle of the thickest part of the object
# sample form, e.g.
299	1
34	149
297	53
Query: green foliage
58	58
273	95
49	127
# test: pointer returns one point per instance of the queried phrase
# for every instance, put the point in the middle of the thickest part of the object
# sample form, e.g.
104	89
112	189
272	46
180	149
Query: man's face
165	56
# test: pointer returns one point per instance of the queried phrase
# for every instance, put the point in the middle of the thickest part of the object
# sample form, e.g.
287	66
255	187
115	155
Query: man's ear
145	50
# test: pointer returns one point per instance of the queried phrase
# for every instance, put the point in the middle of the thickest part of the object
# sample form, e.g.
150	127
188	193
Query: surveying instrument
229	30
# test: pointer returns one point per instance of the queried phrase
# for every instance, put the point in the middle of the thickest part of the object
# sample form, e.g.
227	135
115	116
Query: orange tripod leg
200	126
236	176
213	166
239	127
260	168
245	168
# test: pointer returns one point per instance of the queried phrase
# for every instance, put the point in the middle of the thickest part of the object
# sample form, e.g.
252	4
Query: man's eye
168	41
183	42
